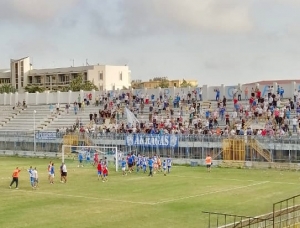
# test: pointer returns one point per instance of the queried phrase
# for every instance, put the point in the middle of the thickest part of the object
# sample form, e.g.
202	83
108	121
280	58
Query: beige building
105	77
152	83
5	76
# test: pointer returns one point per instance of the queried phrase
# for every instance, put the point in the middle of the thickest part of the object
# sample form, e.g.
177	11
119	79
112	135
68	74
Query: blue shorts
99	172
105	174
31	180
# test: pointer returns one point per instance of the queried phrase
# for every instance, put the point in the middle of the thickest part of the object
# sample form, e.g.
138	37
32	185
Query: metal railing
282	149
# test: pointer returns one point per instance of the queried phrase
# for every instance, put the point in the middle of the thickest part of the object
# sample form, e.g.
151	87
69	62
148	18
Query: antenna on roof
86	62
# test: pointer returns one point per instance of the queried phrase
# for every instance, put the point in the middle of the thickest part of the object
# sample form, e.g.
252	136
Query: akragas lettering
152	140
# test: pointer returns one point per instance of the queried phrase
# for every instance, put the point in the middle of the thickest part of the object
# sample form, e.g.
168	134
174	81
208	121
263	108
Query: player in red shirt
96	159
105	173
99	169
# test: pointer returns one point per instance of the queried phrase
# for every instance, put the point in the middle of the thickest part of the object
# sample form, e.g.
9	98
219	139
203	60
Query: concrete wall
69	97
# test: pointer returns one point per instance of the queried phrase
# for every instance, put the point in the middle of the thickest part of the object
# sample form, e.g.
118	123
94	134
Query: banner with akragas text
150	140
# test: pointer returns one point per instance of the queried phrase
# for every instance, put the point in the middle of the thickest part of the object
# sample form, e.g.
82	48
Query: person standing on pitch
150	164
208	162
30	171
64	173
49	170
123	164
169	163
52	173
35	177
15	177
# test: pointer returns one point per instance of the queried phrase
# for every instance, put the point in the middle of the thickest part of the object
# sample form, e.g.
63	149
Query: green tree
164	83
78	84
185	84
33	89
7	88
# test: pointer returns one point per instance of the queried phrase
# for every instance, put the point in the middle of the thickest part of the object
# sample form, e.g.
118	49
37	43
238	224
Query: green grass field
136	200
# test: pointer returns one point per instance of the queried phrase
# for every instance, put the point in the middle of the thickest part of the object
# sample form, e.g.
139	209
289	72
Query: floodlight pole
34	138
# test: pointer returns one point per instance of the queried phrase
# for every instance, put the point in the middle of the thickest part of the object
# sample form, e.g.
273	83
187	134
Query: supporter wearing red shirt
258	94
235	101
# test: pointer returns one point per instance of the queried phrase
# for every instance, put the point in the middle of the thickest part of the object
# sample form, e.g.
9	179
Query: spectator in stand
217	94
246	91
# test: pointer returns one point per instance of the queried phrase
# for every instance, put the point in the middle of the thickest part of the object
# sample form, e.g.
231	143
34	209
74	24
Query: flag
131	119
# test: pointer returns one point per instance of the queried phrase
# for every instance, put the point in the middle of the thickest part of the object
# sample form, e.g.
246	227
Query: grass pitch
136	200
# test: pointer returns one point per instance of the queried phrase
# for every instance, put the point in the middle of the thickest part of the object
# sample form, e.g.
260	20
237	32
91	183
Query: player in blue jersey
169	164
52	172
150	164
130	163
88	156
164	166
139	164
144	161
123	165
31	176
80	158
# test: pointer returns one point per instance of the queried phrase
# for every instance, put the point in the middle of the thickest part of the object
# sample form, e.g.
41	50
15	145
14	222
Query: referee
15	177
64	172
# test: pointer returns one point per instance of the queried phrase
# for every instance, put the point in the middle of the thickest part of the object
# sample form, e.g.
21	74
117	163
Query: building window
85	76
121	76
30	79
38	79
22	68
16	70
101	76
175	84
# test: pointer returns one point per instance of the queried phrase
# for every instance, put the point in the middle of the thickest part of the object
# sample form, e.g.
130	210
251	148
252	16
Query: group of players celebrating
132	163
140	163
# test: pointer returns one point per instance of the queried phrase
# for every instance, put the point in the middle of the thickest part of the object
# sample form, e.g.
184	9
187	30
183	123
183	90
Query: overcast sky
213	41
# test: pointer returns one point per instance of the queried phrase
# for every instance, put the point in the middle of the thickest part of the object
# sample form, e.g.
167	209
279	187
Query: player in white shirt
35	177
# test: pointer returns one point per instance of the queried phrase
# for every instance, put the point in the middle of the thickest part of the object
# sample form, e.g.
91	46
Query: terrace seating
23	119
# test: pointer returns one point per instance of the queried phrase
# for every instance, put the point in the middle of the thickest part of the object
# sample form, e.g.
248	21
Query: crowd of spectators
244	114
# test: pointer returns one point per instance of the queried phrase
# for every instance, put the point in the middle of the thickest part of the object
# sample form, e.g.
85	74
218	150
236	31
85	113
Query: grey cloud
35	11
136	17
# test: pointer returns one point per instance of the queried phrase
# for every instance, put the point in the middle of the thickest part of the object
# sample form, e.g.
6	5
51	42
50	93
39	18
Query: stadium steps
50	119
254	144
8	114
248	123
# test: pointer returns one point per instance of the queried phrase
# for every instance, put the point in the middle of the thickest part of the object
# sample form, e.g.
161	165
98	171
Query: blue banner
151	140
49	135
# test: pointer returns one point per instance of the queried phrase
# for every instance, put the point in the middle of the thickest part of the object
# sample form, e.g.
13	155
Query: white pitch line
209	193
206	178
79	196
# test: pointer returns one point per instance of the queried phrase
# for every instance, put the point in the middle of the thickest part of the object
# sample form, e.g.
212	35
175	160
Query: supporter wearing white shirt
234	115
270	100
281	114
295	123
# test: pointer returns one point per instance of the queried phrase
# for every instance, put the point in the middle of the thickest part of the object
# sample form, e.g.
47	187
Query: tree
163	83
7	88
78	84
185	84
33	89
